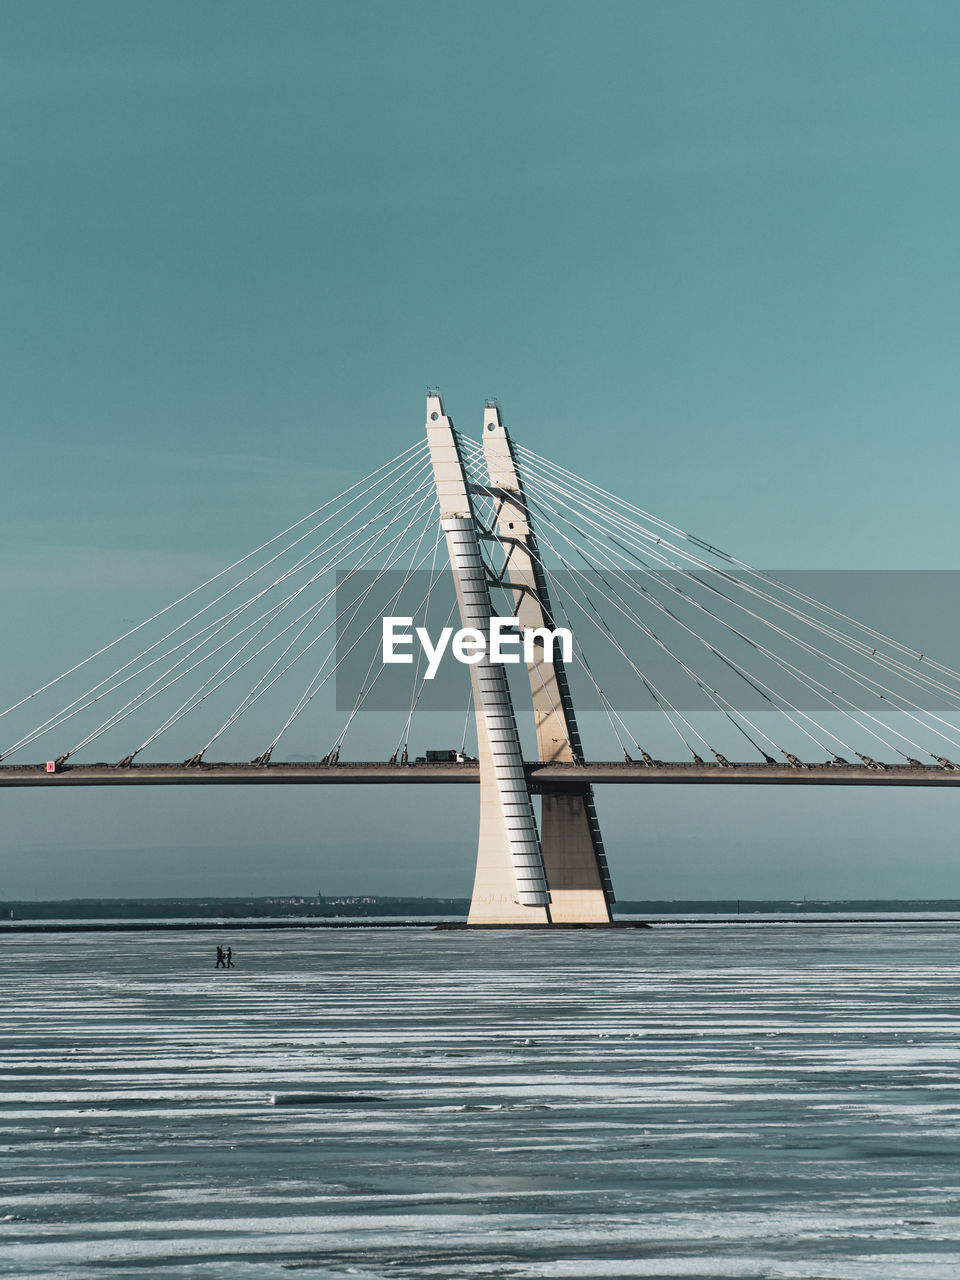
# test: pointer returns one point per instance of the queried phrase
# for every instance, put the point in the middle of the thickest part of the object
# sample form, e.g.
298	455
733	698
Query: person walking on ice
221	959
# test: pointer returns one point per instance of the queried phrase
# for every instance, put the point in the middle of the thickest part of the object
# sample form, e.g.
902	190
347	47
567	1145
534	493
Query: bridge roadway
543	777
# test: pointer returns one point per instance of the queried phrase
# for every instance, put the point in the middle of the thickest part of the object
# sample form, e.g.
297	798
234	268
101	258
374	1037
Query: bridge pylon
510	886
520	878
574	860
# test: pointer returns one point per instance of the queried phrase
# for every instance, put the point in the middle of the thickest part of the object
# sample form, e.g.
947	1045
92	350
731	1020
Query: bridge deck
541	776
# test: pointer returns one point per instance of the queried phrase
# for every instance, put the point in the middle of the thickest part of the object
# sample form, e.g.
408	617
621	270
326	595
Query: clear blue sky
704	253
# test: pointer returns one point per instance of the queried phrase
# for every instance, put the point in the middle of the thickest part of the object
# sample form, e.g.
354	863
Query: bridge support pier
573	856
569	836
521	878
510	886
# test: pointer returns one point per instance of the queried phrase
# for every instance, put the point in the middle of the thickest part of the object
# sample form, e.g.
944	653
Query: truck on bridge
445	757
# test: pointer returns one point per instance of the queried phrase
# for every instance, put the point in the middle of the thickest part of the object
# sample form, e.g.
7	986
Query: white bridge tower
560	877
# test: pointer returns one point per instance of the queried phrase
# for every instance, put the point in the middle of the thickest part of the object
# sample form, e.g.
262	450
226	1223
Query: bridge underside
542	778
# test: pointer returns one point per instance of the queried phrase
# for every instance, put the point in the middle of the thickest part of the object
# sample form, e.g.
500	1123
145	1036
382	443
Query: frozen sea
726	1101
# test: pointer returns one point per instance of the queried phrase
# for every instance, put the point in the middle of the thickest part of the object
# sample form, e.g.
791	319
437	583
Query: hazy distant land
371	906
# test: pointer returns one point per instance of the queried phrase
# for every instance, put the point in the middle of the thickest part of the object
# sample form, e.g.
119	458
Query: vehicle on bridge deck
445	757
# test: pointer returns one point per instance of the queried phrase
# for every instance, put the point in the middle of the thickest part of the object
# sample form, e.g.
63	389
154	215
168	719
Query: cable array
713	641
211	656
680	647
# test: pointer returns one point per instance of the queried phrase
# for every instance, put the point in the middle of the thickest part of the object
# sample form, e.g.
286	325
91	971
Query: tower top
434	405
498	449
448	469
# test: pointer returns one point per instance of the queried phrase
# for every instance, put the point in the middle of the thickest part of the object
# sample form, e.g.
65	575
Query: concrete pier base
577	892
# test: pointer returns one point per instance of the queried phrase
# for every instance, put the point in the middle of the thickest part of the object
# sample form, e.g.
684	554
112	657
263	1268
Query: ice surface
767	1101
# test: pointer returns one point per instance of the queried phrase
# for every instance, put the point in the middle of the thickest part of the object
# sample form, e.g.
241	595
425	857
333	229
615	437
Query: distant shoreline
368	911
454	926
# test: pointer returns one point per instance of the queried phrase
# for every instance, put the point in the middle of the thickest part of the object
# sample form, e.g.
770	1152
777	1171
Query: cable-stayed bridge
687	665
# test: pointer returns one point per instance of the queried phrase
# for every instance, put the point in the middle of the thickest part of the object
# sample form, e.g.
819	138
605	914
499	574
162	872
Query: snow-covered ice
763	1101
